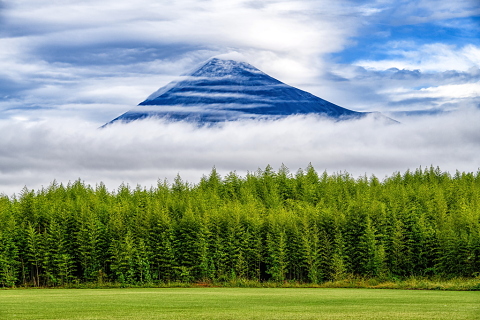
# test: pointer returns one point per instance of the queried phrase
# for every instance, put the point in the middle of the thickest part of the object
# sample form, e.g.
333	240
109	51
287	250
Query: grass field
237	303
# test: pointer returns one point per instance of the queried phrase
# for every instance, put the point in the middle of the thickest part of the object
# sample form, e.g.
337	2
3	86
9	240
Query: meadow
237	303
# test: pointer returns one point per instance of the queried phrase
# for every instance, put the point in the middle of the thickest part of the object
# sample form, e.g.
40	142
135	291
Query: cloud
447	92
430	57
393	89
288	27
34	154
118	52
416	12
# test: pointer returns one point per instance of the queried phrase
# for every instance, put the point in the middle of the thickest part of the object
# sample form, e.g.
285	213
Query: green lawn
237	303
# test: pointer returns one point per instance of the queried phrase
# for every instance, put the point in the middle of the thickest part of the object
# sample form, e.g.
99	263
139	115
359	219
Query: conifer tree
9	258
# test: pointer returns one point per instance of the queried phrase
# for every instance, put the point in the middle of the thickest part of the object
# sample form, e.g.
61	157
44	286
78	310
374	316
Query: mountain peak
222	67
228	90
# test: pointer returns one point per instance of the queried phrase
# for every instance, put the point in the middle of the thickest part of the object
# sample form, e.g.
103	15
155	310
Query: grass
411	283
457	284
237	303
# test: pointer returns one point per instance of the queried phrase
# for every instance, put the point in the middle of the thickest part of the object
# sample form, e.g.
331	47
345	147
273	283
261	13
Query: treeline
267	225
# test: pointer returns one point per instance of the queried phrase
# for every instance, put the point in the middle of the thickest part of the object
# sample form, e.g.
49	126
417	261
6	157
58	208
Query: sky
67	67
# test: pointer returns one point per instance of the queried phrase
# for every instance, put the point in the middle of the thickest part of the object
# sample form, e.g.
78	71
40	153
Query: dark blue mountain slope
227	90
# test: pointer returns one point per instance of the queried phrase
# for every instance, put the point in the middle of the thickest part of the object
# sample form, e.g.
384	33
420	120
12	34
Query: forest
265	226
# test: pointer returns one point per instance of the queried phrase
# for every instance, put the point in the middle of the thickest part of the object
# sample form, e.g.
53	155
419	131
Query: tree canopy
267	225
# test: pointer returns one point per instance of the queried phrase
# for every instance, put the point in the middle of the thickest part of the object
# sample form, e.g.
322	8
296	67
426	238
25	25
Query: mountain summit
226	90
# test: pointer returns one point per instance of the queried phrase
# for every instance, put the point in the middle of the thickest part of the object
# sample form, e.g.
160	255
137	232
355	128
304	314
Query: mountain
226	90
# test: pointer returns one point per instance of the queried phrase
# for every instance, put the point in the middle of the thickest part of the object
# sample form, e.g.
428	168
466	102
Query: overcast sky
67	67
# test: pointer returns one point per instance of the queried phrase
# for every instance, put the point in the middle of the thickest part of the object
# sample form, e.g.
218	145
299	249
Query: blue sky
373	43
75	65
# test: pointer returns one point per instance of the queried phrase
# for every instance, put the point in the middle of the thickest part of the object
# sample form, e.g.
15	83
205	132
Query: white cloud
118	52
430	57
279	26
450	92
410	12
35	153
389	89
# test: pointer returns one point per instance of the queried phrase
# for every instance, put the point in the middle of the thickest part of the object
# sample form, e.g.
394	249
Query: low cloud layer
142	152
